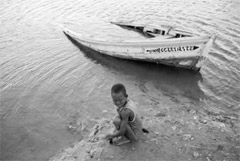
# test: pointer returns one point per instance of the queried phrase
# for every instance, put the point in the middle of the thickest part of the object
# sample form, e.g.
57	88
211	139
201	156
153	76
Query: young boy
128	123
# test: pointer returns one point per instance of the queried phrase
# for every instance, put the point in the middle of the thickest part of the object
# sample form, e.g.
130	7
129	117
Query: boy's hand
108	136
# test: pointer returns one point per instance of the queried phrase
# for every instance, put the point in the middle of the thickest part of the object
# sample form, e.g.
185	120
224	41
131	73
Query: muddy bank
176	133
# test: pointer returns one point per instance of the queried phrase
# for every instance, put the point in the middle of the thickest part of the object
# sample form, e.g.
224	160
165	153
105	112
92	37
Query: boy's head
119	95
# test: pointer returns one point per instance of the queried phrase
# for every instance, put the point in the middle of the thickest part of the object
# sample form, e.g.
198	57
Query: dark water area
47	81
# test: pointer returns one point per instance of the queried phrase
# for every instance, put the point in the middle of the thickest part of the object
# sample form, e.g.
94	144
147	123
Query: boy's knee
117	121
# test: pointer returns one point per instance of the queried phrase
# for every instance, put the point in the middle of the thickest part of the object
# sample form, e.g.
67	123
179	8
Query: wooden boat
165	45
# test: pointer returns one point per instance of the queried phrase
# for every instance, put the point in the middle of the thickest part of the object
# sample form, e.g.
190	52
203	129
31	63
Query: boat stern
205	51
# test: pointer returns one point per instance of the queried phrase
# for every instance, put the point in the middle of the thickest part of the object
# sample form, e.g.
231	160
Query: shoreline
174	134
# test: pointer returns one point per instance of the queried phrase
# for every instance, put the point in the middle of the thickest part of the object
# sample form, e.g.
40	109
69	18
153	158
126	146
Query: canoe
167	46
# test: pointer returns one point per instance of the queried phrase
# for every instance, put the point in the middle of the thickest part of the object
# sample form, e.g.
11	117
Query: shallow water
46	81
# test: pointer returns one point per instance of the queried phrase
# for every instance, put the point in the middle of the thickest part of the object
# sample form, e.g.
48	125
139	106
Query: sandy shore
175	134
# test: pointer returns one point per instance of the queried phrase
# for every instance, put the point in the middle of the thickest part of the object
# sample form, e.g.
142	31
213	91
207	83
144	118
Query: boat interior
153	32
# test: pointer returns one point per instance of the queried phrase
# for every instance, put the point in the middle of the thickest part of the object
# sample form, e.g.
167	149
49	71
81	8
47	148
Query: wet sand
176	133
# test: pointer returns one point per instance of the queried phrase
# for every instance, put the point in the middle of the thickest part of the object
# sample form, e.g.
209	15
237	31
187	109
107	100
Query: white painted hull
186	52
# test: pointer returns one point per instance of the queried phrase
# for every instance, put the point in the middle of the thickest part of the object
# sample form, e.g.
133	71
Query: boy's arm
125	114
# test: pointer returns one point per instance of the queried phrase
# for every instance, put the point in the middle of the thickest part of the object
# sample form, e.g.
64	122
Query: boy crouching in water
127	123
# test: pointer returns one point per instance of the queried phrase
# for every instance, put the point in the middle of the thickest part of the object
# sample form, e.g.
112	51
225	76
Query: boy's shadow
162	74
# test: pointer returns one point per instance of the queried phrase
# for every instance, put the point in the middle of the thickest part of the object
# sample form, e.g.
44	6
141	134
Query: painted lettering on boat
172	49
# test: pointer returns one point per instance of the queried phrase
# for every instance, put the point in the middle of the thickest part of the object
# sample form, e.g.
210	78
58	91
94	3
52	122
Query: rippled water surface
46	81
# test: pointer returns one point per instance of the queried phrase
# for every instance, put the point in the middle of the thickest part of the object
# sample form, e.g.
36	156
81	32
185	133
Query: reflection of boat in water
166	46
168	79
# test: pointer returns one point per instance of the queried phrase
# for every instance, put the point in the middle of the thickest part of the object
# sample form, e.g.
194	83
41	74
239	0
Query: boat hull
185	52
